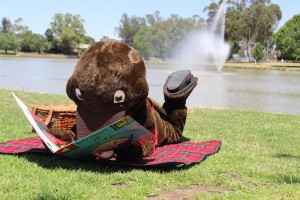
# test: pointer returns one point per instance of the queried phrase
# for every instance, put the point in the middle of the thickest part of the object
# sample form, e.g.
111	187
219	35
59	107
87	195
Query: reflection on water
260	90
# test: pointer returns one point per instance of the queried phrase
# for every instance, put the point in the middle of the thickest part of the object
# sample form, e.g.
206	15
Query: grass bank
283	66
35	55
259	159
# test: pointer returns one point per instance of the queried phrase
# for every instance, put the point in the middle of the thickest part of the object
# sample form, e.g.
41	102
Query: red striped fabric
184	153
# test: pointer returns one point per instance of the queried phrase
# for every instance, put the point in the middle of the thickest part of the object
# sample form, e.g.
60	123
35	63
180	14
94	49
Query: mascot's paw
64	135
179	86
133	153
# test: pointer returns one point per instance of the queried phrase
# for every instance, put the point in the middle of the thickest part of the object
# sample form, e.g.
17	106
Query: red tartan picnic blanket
185	153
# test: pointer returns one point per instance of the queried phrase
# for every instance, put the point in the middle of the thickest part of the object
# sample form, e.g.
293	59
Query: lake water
246	89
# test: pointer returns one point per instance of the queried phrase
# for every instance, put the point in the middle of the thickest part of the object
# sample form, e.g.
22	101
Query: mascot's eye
119	96
78	94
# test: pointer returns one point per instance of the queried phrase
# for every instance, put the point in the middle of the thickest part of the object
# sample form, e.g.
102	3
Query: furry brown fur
109	66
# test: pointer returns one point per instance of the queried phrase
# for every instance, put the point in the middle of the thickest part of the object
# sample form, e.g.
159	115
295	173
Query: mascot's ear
78	94
70	89
73	91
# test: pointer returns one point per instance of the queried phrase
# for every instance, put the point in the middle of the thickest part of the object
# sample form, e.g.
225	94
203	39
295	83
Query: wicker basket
60	116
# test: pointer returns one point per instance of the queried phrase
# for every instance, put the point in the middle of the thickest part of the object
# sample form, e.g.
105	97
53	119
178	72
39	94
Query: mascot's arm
145	117
64	135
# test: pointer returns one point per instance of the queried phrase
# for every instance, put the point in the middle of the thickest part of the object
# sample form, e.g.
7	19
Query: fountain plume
207	45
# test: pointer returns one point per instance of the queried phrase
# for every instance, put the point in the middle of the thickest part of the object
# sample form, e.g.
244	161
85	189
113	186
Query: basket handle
49	117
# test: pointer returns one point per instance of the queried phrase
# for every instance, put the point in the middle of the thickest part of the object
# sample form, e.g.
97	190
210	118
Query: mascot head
109	81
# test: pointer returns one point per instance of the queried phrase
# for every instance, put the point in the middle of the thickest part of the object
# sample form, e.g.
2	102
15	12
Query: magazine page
118	135
39	127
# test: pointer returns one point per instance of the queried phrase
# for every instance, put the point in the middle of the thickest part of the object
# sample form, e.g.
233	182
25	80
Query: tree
160	41
19	29
160	37
26	44
261	21
287	39
40	43
52	41
248	22
129	27
34	43
8	41
88	39
153	18
142	42
234	25
67	31
6	25
258	52
211	10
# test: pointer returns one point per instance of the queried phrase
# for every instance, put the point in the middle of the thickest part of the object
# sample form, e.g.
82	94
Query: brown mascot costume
109	82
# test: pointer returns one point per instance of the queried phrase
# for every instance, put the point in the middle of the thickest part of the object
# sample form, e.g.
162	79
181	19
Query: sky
102	17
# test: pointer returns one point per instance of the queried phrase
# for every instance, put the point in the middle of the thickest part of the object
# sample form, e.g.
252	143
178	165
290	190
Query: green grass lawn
259	159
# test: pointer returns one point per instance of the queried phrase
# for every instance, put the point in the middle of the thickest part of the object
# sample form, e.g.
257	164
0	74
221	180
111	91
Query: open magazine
118	135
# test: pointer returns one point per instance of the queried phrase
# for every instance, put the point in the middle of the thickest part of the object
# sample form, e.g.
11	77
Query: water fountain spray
207	45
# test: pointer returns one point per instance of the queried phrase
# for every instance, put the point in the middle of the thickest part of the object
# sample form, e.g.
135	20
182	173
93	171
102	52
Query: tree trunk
249	51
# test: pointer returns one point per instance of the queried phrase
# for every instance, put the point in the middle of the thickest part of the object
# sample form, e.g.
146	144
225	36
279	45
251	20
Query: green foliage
259	159
5	25
142	42
287	39
34	43
14	32
54	47
155	36
211	10
64	36
247	22
67	31
261	21
129	27
250	22
19	30
8	41
87	39
258	52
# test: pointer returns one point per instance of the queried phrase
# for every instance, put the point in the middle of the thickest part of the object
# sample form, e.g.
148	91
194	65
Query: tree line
64	37
248	23
250	28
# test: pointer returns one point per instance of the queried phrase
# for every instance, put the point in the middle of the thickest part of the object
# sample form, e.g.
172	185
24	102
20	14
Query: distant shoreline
271	65
37	55
282	66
